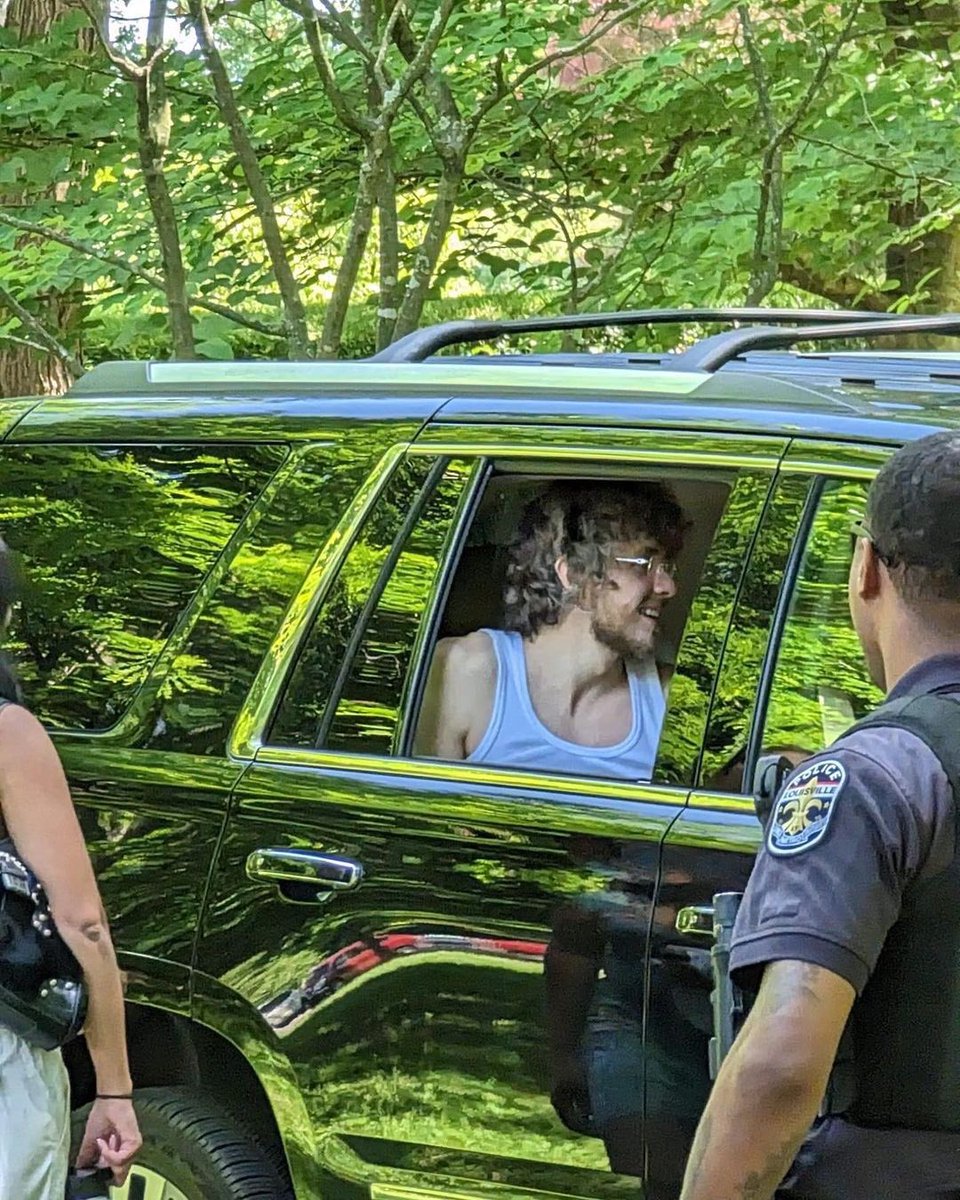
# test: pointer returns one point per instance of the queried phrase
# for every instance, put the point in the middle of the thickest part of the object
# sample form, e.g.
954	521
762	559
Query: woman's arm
39	815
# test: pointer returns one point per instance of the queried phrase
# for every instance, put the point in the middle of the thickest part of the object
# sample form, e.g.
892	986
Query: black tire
190	1141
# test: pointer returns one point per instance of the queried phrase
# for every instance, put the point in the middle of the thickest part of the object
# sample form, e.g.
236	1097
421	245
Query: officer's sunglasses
859	530
646	565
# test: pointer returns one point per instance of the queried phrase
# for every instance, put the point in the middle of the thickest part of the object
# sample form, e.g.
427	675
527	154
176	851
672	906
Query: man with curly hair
571	684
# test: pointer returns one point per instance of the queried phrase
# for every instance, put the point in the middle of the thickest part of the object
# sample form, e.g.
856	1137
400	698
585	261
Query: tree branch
842	291
506	87
341	104
295	317
816	83
46	339
134	269
768	236
423	58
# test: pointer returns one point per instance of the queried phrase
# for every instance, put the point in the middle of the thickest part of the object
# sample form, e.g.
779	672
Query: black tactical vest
903	1036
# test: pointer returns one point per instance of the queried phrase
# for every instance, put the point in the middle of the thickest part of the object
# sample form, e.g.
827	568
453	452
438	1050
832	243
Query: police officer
850	925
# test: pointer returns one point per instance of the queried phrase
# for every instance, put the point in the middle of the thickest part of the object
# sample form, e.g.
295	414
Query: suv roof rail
423	343
712	353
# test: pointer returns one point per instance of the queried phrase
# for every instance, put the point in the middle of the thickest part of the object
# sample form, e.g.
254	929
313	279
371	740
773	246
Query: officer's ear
869	571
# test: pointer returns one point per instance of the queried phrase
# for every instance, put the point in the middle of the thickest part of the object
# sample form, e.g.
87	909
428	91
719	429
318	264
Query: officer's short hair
912	515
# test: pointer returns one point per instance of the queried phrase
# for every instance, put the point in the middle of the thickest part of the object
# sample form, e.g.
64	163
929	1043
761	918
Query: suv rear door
408	987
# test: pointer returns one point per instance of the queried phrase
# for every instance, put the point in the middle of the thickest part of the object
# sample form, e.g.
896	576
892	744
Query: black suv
336	949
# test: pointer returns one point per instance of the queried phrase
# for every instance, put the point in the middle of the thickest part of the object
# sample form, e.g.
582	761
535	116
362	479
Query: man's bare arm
439	733
770	1085
458	698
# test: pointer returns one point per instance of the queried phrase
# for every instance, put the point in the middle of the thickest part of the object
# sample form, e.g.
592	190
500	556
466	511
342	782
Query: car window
346	689
721	509
820	683
114	542
734	704
692	689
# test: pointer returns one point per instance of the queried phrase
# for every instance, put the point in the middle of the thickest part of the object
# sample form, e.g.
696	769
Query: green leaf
215	348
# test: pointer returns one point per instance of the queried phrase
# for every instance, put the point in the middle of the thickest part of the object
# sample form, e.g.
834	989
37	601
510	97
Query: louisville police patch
801	815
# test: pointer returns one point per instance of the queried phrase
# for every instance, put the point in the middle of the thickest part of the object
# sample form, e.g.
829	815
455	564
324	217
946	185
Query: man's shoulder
469	654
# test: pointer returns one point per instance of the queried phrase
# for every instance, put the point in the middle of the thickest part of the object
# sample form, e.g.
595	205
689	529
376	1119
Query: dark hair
581	522
9	593
913	515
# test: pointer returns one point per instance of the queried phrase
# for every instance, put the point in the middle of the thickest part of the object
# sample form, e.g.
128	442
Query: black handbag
43	997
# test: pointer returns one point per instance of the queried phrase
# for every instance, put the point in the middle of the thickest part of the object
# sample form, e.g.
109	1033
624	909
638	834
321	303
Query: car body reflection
343	966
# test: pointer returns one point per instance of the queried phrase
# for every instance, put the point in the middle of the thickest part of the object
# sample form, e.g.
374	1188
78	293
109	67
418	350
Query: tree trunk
361	222
25	370
154	122
389	266
426	259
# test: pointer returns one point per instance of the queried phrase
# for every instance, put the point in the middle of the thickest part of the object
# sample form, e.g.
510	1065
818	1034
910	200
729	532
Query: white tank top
516	737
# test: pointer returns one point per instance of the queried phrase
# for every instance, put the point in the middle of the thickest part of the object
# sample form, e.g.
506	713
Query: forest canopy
314	178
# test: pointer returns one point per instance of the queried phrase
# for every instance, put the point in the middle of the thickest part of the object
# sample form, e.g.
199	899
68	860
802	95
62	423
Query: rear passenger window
347	688
820	683
114	543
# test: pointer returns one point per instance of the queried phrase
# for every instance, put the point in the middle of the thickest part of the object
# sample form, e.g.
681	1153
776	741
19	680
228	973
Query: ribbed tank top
516	737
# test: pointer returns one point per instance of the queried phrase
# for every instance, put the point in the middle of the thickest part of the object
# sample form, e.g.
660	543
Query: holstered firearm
726	999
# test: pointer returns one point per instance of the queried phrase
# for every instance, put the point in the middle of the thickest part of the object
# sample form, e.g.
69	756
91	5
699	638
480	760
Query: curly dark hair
913	515
580	521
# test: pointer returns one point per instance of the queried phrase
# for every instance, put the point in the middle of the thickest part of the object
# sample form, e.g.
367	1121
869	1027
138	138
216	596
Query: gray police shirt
851	828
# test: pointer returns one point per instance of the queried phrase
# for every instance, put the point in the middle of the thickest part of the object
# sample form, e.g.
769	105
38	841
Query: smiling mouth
652	614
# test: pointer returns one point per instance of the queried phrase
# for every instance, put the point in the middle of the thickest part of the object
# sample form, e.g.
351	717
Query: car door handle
696	921
326	872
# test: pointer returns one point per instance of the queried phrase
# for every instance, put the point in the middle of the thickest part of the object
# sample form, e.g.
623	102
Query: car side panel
416	1010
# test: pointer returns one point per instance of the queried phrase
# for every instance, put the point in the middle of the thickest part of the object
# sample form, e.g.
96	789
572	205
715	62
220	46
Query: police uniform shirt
850	830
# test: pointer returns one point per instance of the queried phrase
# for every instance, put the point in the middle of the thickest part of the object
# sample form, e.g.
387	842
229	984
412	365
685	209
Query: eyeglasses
645	565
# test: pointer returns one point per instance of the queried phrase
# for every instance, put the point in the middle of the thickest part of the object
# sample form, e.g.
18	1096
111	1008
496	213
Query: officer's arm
770	1085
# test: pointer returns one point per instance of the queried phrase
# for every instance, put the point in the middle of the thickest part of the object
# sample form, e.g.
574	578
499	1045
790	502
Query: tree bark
295	317
154	123
38	369
361	222
389	264
426	258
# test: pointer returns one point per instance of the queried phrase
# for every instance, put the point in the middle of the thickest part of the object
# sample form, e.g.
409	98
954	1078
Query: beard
619	640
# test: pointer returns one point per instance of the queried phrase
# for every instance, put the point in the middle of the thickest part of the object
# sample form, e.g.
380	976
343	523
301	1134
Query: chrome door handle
696	920
331	872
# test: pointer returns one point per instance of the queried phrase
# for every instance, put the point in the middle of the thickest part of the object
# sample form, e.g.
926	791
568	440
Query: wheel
193	1150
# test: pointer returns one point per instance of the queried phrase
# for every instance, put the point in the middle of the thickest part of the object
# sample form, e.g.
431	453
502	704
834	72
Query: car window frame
819	462
490	444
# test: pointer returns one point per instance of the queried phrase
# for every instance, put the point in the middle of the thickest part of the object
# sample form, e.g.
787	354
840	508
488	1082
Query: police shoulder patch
801	815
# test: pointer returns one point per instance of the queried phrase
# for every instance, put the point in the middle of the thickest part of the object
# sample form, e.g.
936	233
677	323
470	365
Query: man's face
628	602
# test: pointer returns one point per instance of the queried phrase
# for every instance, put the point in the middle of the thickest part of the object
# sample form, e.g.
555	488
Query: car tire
198	1149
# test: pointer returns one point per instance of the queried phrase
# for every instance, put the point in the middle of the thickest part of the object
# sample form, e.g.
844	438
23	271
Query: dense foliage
274	177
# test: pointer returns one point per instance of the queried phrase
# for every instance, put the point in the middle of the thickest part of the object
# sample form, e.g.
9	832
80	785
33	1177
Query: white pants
34	1121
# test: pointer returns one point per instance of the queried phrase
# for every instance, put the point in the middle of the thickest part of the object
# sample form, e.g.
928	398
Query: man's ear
562	568
868	572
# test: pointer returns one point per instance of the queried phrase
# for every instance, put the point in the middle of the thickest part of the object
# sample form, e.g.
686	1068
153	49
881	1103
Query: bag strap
932	717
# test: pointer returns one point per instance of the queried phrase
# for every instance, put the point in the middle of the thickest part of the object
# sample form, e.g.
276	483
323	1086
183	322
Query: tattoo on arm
761	1185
